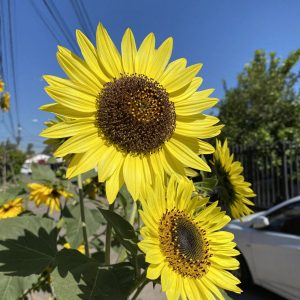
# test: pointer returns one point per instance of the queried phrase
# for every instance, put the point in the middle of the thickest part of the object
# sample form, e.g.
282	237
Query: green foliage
42	173
264	107
72	223
27	247
12	158
80	277
11	193
123	229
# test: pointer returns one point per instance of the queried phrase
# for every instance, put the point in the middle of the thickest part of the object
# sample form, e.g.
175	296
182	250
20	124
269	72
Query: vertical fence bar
291	169
285	173
297	169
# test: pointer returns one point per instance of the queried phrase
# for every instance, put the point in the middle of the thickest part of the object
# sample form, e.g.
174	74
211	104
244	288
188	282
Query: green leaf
207	185
11	193
42	173
123	229
80	277
27	247
225	295
73	224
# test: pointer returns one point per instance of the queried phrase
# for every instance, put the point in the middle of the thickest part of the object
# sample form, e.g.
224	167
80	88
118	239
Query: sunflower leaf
123	229
73	223
80	277
10	194
42	173
27	247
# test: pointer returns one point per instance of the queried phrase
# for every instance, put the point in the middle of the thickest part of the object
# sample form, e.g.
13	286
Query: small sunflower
80	247
48	195
2	85
232	190
134	115
11	208
5	102
184	246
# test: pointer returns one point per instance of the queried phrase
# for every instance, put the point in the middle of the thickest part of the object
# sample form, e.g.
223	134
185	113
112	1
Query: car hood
247	220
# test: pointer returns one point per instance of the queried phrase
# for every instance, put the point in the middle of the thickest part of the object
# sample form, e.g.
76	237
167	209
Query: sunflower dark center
135	114
184	244
188	238
224	191
55	194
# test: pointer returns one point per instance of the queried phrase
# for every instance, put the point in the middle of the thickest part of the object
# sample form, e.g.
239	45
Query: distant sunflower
134	115
5	102
11	208
80	247
184	245
232	190
2	85
48	195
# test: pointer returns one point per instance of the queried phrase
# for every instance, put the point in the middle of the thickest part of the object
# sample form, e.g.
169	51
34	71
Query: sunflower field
145	188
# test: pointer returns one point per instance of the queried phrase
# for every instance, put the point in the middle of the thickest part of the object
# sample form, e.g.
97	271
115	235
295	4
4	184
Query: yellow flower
47	195
233	191
134	115
2	85
184	246
5	102
80	248
11	208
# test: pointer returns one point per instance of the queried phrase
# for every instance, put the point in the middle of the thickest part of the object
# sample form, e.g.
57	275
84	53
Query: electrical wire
85	16
39	13
60	22
5	73
13	66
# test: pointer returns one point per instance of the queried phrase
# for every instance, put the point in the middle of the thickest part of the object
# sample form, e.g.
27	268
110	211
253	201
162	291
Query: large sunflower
184	245
134	115
48	195
11	208
232	190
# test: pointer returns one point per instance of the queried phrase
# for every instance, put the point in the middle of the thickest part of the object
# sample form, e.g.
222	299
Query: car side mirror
260	222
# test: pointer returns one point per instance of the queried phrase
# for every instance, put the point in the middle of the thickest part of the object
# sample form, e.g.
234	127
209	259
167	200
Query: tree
264	107
29	150
11	160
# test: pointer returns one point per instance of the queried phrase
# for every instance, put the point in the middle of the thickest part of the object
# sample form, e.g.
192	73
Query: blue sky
220	34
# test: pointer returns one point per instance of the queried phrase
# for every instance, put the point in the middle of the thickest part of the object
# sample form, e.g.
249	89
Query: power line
5	63
38	12
85	15
10	27
60	22
82	17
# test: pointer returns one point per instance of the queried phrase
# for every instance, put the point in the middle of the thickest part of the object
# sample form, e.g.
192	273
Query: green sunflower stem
108	238
122	254
140	285
84	231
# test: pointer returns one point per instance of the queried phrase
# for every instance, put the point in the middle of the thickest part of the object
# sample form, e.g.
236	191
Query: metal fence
274	171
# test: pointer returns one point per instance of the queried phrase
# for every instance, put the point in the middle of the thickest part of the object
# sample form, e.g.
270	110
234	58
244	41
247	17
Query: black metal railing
274	171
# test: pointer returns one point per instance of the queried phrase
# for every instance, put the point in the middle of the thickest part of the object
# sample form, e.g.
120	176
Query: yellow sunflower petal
65	111
77	70
78	144
145	54
108	52
70	128
128	52
90	56
72	99
186	155
161	58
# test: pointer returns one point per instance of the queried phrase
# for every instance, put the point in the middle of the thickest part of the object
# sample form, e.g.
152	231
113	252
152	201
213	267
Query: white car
269	243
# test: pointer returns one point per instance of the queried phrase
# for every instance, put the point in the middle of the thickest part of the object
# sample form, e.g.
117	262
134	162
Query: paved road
256	293
253	293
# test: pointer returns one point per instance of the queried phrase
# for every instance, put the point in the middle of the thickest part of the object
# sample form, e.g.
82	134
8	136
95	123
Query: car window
286	219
